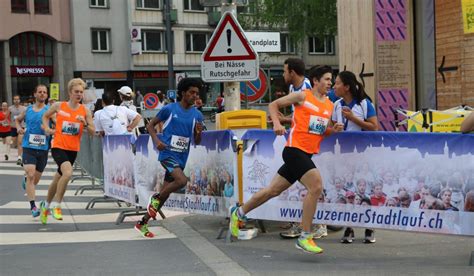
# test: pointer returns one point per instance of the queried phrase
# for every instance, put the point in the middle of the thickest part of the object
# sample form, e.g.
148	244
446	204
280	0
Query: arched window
31	49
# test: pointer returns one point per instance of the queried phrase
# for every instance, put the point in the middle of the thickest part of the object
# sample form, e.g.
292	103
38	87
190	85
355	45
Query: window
42	6
98	3
323	46
192	5
153	41
250	8
287	46
196	42
148	4
19	6
31	49
100	40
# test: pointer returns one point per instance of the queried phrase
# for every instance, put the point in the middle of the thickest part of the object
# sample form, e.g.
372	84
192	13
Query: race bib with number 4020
317	125
70	128
179	143
37	140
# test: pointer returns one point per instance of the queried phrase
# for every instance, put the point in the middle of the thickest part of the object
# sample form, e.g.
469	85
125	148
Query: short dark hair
296	65
317	72
185	84
107	98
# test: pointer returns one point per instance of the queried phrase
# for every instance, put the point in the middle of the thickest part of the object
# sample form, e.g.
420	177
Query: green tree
301	18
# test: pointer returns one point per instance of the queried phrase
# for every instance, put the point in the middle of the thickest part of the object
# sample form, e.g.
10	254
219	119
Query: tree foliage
300	18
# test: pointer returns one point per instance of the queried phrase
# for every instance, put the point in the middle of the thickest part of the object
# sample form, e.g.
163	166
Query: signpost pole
169	43
231	89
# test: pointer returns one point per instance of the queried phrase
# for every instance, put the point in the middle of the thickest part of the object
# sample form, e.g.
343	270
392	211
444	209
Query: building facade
35	46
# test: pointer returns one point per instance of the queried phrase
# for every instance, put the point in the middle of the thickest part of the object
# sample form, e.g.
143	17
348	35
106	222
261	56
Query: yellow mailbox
241	119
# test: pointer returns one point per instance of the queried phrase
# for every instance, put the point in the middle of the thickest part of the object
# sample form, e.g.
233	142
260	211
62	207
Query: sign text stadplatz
229	56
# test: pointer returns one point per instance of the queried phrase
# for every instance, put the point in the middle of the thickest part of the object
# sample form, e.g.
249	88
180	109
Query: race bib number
5	123
317	125
179	143
70	128
37	140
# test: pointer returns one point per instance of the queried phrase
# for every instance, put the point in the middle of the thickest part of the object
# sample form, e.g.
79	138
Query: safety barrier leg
83	175
95	200
92	187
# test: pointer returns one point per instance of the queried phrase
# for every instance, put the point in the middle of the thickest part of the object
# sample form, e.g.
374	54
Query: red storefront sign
150	74
31	71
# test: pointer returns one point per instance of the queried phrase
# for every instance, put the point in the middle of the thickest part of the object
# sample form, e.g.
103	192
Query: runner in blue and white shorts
35	143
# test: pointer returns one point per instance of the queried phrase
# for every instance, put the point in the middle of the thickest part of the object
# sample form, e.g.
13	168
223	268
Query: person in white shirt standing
126	95
113	119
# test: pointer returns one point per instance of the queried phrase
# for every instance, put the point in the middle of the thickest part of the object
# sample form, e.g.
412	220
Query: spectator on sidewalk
113	120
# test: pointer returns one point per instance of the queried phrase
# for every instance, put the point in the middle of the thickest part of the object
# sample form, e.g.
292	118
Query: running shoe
369	236
308	245
320	232
35	212
23	183
44	212
348	236
57	213
153	206
19	162
6	157
143	230
235	223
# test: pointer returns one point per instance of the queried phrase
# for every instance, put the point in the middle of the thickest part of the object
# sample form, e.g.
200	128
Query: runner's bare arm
273	109
47	116
89	122
18	121
154	136
468	124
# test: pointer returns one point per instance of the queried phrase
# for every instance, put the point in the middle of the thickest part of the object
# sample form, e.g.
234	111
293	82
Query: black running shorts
297	163
60	156
39	158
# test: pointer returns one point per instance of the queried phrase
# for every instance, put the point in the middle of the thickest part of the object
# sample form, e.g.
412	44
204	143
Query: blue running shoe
35	212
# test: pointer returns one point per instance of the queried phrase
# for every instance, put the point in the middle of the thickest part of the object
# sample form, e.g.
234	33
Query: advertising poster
402	181
211	171
119	178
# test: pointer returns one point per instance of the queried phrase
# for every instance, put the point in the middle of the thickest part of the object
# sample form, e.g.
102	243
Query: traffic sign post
151	100
253	91
171	94
229	56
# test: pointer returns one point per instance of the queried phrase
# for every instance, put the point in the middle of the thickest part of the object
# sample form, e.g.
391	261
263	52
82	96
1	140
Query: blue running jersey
178	131
35	138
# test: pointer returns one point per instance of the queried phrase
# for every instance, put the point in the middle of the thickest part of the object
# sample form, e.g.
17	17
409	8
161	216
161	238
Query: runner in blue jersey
182	125
35	143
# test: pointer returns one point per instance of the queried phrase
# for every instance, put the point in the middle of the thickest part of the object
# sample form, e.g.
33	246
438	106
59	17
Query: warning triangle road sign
228	42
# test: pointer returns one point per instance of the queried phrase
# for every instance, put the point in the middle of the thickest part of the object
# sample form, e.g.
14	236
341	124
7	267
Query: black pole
169	44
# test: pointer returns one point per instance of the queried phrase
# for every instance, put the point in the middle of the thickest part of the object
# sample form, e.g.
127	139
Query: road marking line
81	236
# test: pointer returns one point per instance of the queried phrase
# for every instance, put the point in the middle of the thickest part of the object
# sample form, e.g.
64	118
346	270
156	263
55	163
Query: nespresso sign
31	71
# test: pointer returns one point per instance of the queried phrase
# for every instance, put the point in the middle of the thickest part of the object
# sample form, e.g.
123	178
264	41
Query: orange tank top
68	128
310	121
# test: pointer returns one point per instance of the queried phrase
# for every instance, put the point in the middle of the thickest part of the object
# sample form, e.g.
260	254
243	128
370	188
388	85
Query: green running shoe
153	206
44	212
308	245
57	213
235	223
143	230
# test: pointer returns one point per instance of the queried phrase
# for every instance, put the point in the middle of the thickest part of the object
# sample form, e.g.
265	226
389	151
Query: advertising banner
211	171
402	181
119	179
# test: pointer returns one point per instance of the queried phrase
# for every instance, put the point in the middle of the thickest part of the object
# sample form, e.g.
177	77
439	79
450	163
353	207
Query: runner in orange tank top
71	118
310	123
